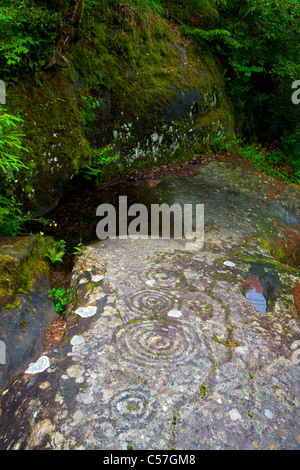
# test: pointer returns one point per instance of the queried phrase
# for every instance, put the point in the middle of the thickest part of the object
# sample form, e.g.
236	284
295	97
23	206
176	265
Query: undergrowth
272	160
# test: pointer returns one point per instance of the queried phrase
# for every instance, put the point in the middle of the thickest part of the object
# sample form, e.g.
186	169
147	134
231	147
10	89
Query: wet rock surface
23	329
26	309
162	349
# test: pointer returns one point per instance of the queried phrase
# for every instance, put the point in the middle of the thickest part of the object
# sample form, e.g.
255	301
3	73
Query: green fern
10	144
56	252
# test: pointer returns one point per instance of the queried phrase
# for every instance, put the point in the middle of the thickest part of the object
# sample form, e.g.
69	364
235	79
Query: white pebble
77	339
234	414
269	414
39	366
229	263
175	313
97	278
85	312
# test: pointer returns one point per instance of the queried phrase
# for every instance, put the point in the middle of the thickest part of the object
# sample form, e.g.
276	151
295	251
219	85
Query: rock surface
26	309
162	349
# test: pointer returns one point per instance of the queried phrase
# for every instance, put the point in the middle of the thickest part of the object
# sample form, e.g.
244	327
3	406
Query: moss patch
53	136
21	269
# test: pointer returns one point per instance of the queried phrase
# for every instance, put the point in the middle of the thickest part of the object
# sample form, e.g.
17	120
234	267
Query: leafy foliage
27	32
77	249
257	43
57	252
273	162
262	50
101	158
61	299
10	144
11	217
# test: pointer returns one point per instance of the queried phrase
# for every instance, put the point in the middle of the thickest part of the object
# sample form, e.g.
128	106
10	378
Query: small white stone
97	278
229	263
269	414
85	312
77	339
175	313
39	366
234	414
150	283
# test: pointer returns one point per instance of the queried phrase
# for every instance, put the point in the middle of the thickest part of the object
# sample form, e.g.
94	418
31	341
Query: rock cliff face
146	91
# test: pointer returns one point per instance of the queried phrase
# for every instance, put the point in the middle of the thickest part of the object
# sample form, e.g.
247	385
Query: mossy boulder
25	308
155	97
22	259
137	84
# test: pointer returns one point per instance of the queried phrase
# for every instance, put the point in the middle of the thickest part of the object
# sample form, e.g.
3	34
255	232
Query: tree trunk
78	12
